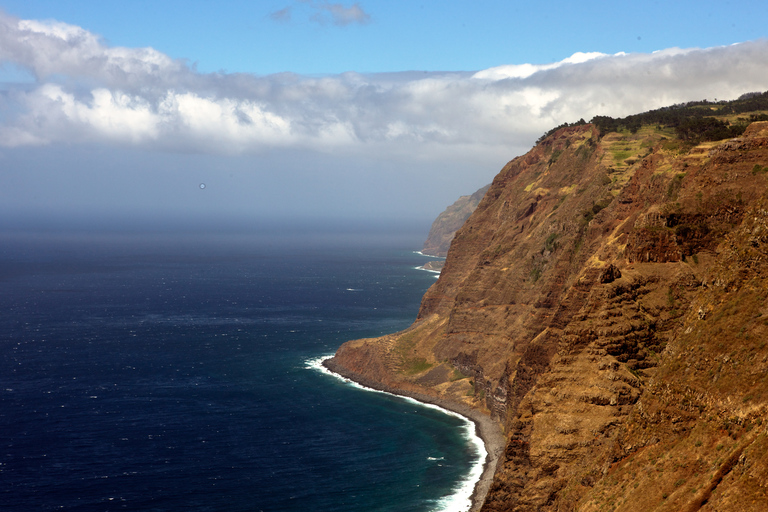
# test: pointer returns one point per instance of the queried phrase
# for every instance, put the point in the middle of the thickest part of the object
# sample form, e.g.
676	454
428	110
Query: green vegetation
671	297
580	122
458	375
417	365
585	151
559	202
550	244
597	207
405	348
675	185
692	122
676	146
699	129
620	155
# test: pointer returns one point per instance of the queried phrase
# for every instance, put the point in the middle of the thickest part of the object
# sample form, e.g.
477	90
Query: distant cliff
448	222
607	304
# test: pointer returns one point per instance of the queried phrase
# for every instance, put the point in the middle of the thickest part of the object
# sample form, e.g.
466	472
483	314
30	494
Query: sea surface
180	373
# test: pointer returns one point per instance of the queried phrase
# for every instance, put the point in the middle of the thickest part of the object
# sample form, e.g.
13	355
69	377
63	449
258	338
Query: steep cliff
606	304
449	221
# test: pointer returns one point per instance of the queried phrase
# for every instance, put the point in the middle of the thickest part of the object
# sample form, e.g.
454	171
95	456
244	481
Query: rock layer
606	304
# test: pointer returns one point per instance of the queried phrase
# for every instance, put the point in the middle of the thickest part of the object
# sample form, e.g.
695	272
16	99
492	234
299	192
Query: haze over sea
175	372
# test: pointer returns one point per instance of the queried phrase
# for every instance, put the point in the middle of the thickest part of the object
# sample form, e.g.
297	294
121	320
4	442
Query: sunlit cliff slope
607	303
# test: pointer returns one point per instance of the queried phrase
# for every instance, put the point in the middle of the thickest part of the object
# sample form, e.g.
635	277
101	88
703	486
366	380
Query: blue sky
400	35
305	110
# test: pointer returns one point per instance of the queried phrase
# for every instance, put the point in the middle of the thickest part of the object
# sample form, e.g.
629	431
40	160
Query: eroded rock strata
606	304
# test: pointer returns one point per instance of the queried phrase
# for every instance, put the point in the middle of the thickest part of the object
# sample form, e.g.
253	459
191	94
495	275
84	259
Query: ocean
181	373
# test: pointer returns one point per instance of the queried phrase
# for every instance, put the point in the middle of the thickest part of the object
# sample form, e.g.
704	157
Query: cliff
448	222
606	304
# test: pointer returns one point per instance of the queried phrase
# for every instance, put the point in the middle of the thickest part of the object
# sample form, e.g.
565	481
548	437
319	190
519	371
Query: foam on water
461	499
428	255
437	272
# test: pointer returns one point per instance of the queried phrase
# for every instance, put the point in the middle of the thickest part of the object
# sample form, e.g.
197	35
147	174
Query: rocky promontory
449	221
433	266
606	306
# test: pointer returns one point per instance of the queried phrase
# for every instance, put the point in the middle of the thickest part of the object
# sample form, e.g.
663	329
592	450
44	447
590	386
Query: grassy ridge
695	121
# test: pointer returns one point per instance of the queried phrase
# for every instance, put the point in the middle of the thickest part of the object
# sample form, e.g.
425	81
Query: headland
604	306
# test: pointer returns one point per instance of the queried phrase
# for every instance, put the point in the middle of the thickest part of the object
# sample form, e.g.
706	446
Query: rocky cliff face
607	304
447	223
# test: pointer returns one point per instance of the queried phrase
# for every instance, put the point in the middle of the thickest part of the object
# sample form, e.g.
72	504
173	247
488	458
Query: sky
201	115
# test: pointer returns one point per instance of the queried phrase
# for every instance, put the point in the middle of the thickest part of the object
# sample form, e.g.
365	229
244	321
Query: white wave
316	363
428	255
435	272
461	498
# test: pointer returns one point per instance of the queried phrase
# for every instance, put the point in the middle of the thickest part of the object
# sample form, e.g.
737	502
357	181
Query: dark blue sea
180	373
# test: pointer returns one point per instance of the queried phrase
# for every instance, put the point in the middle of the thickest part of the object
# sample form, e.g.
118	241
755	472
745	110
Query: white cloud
325	12
526	70
341	15
48	48
86	91
282	15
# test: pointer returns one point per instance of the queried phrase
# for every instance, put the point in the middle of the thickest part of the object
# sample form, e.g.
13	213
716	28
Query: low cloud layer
85	91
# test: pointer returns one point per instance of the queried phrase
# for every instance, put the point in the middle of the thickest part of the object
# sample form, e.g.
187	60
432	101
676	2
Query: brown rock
608	312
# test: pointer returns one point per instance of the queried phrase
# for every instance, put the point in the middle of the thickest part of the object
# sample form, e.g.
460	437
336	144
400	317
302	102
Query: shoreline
428	270
429	255
485	428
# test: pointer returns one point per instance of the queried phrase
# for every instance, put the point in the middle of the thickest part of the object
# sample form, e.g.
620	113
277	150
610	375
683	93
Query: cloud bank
85	91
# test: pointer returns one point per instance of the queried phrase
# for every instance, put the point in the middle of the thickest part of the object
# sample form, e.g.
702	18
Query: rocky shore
487	429
433	266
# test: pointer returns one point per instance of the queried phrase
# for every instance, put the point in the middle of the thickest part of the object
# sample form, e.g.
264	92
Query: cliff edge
449	221
606	305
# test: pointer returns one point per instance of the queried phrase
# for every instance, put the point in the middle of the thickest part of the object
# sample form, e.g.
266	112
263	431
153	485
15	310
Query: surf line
464	497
